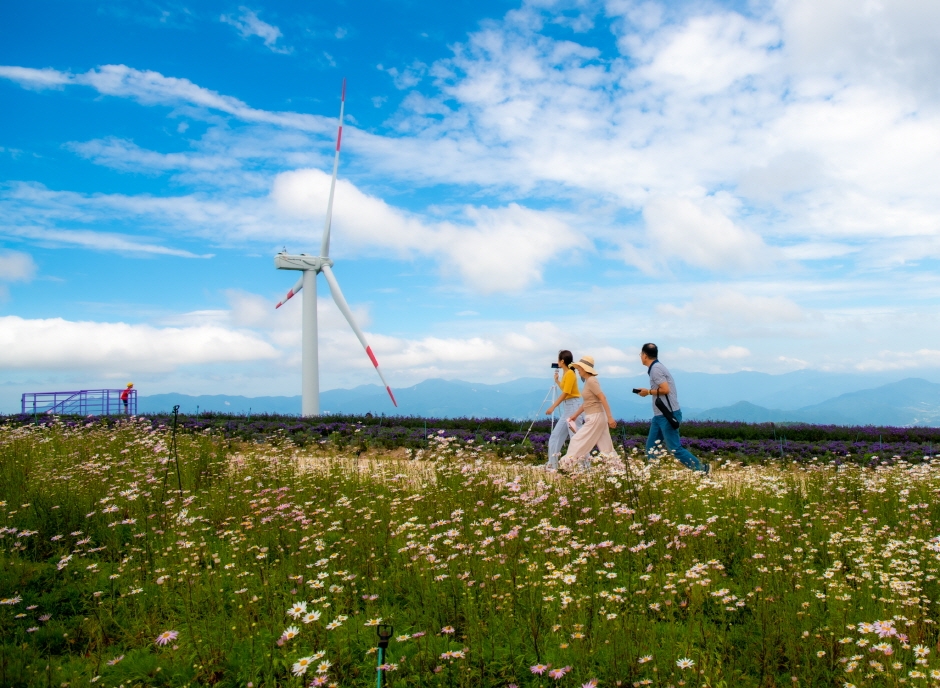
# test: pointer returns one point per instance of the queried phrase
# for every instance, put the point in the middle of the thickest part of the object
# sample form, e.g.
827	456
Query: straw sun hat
586	364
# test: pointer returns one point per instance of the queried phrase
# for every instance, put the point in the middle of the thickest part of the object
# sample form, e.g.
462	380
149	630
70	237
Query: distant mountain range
802	396
909	402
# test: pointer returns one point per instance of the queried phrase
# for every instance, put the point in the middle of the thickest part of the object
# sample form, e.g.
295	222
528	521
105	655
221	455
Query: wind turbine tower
311	266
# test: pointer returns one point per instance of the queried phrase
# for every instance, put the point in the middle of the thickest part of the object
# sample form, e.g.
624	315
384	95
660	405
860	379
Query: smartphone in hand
636	391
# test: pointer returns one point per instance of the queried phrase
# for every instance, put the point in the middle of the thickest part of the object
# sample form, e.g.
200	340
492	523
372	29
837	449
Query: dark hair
651	350
565	355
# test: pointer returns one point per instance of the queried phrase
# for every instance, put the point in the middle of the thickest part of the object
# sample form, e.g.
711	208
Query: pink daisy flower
165	637
540	668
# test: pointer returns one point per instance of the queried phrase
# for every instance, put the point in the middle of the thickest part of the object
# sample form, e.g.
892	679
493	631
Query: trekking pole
550	390
385	633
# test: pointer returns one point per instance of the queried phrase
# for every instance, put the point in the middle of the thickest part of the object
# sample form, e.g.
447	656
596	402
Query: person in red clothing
125	394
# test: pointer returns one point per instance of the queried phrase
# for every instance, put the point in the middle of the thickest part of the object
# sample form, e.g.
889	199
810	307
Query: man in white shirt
662	386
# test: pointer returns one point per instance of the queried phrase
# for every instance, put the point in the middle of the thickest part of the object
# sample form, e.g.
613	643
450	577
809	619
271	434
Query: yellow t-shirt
569	384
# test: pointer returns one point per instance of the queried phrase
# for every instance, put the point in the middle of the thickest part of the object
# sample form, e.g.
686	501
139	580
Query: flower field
746	442
128	558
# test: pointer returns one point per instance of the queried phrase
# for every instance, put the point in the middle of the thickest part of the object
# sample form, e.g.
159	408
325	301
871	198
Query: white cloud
717	360
817	250
504	249
222	159
890	43
706	54
734	312
16	266
699	233
37	79
720	103
901	360
477	350
530	127
470	352
58	344
408	77
248	24
127	156
489	249
97	241
153	88
492	249
29	205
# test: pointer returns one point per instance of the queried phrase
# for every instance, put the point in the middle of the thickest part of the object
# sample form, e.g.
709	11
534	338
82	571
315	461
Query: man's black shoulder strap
658	397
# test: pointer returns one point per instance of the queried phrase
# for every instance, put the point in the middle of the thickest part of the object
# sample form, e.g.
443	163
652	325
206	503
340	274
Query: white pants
561	432
594	433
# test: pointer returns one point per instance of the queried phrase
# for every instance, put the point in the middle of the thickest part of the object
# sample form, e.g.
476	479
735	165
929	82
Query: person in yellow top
569	400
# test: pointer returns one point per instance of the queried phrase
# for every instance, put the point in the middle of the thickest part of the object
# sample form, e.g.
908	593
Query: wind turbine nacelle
284	261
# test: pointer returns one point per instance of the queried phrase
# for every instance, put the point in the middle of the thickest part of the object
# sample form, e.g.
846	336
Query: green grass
759	575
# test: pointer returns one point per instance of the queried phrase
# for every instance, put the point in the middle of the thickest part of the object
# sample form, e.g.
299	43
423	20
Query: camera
554	365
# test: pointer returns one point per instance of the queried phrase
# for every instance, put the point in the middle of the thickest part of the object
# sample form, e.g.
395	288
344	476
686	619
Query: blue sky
751	185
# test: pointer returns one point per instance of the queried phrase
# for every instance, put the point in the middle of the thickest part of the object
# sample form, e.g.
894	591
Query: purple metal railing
84	402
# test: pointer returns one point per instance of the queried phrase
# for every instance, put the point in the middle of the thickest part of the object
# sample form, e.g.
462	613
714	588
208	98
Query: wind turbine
311	266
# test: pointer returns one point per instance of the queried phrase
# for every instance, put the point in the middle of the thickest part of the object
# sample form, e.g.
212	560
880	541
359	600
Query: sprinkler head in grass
385	633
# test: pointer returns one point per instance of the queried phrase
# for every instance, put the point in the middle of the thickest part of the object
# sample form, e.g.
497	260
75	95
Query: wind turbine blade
344	309
297	287
325	246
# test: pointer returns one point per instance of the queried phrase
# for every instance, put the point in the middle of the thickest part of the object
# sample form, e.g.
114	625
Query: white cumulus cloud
699	233
735	312
59	344
492	249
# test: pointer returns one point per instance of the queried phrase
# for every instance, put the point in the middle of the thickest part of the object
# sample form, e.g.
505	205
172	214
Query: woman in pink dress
598	420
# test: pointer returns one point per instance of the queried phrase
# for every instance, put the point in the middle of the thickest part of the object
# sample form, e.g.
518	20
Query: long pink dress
594	432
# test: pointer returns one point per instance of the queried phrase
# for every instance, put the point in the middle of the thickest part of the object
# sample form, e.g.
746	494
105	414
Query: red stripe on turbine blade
286	299
372	356
339	138
389	390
